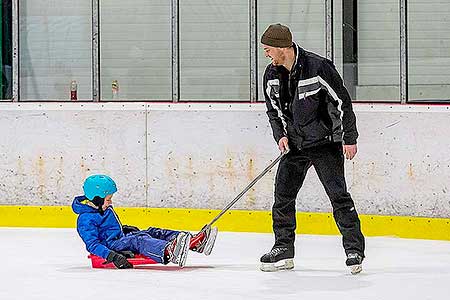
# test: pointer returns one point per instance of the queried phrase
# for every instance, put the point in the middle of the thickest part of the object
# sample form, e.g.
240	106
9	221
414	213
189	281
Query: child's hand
118	260
127	229
127	254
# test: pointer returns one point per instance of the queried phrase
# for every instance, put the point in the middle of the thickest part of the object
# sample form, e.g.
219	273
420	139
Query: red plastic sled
97	261
139	259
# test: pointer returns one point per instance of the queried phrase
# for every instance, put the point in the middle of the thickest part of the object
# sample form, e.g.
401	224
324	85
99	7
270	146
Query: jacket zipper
117	218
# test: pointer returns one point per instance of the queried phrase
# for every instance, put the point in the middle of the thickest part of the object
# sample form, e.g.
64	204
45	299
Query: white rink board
202	155
46	154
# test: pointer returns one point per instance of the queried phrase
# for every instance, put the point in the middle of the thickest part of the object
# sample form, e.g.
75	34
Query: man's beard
279	61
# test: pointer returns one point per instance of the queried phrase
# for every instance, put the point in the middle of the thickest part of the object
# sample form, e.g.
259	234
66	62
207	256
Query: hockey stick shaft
257	178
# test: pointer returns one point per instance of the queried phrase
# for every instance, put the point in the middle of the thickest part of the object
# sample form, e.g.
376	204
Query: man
311	115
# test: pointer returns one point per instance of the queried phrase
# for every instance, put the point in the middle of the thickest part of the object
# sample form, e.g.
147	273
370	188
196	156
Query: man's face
276	54
108	202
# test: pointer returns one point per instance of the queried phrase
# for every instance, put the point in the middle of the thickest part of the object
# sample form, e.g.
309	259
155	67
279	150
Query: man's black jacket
309	105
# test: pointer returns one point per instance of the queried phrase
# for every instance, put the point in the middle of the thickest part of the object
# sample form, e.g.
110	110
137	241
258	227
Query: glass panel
428	50
6	49
135	50
305	18
214	50
55	49
337	35
370	49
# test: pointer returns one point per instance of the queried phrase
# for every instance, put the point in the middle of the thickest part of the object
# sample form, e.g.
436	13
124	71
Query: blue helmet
99	185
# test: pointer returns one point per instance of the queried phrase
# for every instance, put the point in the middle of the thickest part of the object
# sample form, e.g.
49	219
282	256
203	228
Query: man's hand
350	151
283	144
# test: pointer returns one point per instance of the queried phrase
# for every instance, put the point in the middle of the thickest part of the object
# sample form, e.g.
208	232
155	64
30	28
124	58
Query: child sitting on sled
100	229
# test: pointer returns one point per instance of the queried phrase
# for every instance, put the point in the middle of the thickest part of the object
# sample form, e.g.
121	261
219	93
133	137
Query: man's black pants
328	160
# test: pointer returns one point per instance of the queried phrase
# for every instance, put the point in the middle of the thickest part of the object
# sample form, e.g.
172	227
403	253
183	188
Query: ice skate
178	249
354	262
279	258
204	241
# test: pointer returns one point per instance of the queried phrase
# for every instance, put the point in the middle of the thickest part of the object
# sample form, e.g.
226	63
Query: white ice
52	264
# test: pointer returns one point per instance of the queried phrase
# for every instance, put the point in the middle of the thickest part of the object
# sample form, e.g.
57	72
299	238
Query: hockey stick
264	172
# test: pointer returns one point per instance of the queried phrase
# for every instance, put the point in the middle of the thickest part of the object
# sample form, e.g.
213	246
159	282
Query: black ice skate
354	262
279	258
178	249
204	241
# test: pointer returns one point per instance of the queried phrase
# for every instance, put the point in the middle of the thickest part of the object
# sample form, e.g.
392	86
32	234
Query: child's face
108	202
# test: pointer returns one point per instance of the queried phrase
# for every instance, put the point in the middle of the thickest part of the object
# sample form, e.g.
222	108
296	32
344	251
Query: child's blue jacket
98	231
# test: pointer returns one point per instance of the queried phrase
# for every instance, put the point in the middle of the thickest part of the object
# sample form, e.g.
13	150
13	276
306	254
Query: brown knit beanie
277	35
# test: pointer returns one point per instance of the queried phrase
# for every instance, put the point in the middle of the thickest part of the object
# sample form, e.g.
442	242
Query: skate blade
211	241
284	264
184	252
356	269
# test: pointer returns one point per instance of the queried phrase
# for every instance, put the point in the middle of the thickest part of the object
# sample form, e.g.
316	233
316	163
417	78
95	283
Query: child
100	229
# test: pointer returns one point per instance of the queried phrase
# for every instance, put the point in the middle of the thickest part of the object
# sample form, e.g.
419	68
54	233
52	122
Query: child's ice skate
279	258
203	242
177	250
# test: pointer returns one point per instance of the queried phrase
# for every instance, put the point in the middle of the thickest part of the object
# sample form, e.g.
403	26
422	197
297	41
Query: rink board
202	155
234	220
197	157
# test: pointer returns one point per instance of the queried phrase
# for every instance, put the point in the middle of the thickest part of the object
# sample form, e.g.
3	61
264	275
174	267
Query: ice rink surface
52	264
